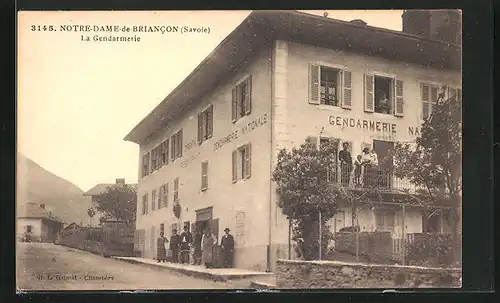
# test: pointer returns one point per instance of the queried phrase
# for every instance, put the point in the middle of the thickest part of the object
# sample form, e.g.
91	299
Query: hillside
38	185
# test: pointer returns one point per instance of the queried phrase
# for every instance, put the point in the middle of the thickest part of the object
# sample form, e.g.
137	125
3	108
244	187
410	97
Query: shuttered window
160	197
347	96
205	124
176	145
145	165
369	93
176	190
241	104
204	175
330	86
242	162
145	204
399	104
429	96
165	194
153	199
164	152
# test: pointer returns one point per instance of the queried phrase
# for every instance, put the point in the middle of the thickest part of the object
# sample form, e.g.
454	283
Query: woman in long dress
161	252
208	244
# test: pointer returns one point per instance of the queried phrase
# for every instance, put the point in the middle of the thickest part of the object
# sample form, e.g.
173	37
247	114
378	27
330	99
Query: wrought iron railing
370	177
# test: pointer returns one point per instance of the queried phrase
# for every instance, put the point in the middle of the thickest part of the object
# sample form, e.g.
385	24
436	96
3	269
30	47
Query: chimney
120	181
42	205
417	22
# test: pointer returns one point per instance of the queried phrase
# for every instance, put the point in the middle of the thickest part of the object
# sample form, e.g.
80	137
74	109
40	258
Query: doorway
384	150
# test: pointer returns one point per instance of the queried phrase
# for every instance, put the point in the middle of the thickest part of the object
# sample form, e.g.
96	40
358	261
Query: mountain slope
38	185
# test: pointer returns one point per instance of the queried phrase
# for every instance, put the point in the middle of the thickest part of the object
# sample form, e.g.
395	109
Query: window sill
330	108
386	116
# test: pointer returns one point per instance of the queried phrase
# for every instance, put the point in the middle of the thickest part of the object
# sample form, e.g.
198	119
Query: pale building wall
37	229
249	196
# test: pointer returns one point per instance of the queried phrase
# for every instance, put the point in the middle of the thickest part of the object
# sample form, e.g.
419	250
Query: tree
117	202
433	162
301	177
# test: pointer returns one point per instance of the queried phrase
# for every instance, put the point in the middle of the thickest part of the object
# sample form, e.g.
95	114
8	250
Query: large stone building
210	147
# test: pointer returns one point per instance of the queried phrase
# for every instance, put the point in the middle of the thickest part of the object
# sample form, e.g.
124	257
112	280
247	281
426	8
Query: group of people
203	244
364	164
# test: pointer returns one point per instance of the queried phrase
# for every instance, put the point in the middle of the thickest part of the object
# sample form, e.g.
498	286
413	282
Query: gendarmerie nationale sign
375	126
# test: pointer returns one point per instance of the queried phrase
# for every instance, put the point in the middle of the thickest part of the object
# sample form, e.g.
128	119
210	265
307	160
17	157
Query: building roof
260	28
35	211
102	187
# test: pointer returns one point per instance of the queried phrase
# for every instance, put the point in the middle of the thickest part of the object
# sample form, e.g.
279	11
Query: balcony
370	178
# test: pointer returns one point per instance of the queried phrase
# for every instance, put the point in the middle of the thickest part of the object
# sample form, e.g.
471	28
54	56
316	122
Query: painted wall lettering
378	126
413	131
190	145
247	128
189	160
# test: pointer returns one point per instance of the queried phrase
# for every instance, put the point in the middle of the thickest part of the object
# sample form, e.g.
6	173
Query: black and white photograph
266	149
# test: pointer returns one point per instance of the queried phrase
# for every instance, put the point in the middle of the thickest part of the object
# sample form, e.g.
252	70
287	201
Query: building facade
211	150
37	224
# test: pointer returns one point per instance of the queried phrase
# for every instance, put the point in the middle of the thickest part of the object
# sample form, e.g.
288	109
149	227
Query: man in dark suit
175	241
227	246
186	240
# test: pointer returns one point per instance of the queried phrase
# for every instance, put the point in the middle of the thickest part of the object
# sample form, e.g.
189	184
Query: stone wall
375	246
332	274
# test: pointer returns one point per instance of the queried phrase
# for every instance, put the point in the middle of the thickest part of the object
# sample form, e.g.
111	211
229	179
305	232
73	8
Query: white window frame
340	85
439	86
240	104
204	177
392	97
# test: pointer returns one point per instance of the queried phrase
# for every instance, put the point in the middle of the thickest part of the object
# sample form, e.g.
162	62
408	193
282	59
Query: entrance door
384	149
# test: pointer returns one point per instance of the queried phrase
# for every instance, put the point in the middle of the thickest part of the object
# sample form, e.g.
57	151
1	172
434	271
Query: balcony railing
370	177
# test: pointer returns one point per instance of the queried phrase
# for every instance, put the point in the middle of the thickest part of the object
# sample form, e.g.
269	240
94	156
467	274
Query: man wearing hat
227	246
175	241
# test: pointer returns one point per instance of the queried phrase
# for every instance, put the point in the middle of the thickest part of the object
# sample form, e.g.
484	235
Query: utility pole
320	240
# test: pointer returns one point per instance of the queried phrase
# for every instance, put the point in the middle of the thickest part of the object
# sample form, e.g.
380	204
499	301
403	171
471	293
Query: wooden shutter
399	105
425	92
248	95
248	160
369	93
179	146
204	175
153	199
347	84
235	166
200	128
234	105
167	143
160	197
314	78
173	143
210	122
165	196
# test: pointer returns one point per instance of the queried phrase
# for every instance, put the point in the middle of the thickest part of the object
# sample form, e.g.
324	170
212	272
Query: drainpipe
271	153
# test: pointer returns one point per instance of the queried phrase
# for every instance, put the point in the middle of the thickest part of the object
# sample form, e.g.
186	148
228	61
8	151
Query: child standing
357	170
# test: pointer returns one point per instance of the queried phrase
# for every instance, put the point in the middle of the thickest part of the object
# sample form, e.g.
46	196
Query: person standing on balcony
366	160
357	170
345	159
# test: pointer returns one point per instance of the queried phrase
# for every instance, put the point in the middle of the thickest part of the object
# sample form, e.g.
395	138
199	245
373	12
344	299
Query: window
176	145
153	199
204	175
176	190
29	228
429	96
164	152
160	197
242	163
145	165
205	124
330	86
162	228
385	220
165	194
383	95
154	158
145	204
242	99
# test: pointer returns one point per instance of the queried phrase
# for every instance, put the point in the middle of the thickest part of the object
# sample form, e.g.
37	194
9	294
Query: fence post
320	236
357	238
404	234
289	239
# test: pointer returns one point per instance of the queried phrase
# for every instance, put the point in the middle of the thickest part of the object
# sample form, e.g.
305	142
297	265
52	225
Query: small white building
37	223
210	147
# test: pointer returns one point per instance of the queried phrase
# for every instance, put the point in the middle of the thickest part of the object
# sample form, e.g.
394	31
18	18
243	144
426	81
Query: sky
77	100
